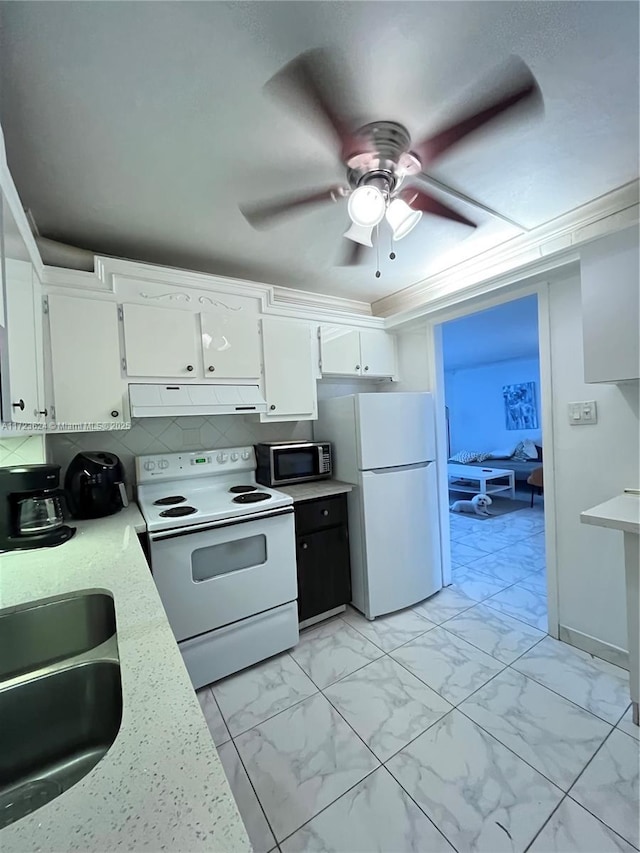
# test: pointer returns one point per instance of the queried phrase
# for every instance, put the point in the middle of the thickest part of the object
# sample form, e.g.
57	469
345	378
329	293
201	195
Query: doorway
490	377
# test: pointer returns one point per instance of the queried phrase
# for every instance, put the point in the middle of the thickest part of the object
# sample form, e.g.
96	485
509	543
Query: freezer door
394	429
401	537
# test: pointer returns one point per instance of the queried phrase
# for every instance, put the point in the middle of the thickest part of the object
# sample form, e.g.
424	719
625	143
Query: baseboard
606	651
322	616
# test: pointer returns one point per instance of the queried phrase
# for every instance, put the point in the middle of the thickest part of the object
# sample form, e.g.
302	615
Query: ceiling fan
383	164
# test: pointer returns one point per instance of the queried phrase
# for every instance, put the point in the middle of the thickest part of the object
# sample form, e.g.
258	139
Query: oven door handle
217	525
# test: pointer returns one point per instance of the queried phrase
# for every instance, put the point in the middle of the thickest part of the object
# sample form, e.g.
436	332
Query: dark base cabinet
322	549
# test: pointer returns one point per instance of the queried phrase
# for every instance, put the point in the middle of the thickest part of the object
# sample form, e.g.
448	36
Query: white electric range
222	553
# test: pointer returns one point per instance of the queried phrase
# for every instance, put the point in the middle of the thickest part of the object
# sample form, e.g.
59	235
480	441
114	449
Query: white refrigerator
384	445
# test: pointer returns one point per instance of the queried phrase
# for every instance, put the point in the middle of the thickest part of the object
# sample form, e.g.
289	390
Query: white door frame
433	331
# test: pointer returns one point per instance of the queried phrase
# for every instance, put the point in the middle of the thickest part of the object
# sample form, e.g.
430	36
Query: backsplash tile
21	450
161	435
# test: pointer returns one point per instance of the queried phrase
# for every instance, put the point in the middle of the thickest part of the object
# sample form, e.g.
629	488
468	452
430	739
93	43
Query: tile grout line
583	771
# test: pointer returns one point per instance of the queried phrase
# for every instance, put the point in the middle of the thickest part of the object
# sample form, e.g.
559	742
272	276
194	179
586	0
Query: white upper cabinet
161	342
352	352
289	370
610	284
230	345
88	387
377	353
22	355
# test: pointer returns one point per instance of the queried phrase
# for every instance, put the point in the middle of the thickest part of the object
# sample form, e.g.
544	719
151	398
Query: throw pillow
530	449
519	452
502	452
539	451
465	456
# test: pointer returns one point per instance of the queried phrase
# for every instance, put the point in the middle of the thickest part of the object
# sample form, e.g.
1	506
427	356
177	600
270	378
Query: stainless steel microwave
282	463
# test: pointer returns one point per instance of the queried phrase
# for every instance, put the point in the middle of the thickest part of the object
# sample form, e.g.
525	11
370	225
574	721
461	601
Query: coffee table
470	474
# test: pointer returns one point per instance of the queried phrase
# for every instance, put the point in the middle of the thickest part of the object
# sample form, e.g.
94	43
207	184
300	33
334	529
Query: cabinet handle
366	367
115	413
19	405
211	368
44	412
272	407
357	367
304	546
325	512
189	367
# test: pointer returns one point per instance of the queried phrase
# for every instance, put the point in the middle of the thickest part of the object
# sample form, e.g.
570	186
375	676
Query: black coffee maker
31	514
95	484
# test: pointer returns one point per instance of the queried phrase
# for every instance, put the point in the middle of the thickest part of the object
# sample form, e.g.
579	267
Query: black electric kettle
95	485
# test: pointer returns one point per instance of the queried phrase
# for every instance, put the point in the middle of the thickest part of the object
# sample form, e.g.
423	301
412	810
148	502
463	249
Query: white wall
593	464
476	405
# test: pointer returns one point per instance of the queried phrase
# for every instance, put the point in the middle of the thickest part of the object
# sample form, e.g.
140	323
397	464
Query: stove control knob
222	457
149	465
163	464
246	454
235	457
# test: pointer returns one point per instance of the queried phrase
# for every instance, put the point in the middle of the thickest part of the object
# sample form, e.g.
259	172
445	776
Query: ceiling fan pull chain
377	251
392	254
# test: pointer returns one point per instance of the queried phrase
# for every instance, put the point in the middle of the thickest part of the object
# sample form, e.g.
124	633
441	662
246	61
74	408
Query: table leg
512	483
632	572
483	485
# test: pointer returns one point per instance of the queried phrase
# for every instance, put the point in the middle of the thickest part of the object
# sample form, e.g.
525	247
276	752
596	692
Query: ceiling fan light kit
402	218
385	168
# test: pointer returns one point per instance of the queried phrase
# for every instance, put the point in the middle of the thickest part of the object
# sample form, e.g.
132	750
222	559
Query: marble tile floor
454	725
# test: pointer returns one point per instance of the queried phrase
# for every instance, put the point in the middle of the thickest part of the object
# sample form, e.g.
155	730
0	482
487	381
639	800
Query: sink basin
49	631
55	728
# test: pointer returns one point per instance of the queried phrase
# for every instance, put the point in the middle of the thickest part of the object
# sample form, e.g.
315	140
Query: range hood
160	401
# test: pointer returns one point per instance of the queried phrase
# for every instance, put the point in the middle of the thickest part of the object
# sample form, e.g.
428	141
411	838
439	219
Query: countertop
619	513
161	786
315	489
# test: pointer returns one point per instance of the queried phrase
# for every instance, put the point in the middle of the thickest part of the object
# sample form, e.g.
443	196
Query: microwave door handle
319	449
123	493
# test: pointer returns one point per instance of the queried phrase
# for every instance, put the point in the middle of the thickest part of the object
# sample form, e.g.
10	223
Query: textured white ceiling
497	334
135	129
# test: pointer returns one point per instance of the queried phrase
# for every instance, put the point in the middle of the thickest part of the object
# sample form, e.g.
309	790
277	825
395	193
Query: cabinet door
290	385
20	397
230	346
378	353
340	351
85	359
324	577
160	342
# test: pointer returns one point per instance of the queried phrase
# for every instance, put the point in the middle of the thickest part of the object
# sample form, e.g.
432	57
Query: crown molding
552	244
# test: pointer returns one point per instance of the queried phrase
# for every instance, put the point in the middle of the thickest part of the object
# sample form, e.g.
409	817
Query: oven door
216	575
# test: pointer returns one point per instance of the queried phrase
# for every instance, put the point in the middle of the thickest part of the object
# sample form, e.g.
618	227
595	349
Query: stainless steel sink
55	729
60	697
45	632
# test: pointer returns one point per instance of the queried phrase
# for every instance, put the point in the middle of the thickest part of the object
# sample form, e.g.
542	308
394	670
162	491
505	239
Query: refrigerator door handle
413	467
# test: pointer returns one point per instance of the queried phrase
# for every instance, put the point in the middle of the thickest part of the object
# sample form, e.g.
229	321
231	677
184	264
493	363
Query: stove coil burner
239	490
252	498
177	511
171	499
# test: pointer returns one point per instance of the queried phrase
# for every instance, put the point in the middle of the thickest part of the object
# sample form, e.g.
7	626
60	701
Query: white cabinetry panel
289	375
340	350
21	402
610	285
355	352
161	342
230	345
85	356
377	353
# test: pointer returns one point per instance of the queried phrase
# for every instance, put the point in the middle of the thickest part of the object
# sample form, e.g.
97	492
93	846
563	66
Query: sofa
522	468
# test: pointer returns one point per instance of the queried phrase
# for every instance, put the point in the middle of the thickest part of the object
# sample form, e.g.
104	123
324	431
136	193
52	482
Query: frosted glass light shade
366	206
360	234
402	218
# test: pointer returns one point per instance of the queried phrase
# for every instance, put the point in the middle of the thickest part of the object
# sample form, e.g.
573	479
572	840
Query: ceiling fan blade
262	215
519	87
312	78
353	254
420	200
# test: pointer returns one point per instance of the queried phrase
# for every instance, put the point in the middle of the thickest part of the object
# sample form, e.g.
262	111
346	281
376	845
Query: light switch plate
583	412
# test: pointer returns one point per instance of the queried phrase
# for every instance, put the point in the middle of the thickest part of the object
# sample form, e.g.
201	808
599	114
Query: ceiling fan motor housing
387	159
